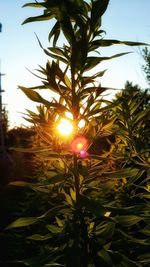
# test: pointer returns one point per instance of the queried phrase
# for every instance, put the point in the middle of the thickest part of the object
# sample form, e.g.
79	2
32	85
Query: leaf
91	227
21	222
128	220
68	198
125	173
145	259
38	87
146	230
38	18
57	57
55	32
34	96
52	212
141	115
109	42
98	9
38	237
105	230
73	194
56	50
37	5
91	62
67	29
54	229
59	222
22	184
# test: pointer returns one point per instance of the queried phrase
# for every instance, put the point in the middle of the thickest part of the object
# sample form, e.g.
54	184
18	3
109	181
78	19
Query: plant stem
76	178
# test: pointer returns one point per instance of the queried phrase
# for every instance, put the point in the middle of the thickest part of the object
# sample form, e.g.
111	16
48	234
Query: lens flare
79	145
65	127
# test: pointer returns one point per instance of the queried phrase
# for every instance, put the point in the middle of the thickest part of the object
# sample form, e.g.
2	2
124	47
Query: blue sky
19	49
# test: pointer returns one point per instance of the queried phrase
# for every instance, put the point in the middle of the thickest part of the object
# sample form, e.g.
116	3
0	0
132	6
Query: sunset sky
19	49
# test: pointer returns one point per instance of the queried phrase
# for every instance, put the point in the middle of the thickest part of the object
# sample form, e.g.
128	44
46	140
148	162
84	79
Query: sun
65	127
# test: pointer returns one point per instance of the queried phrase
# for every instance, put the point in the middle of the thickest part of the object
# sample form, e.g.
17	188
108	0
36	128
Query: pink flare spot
79	144
83	153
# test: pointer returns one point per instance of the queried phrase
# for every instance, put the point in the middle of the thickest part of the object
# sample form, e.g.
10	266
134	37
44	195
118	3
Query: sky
19	49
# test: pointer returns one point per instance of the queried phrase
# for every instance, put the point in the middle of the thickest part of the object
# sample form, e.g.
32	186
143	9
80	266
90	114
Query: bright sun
65	127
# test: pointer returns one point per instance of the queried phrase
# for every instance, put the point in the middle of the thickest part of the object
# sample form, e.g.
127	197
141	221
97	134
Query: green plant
132	135
86	223
146	66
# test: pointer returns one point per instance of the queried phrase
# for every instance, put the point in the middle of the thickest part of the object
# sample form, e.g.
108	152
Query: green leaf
146	230
105	230
38	18
141	115
59	222
125	173
109	42
57	57
55	32
38	237
98	9
21	222
22	184
56	50
67	29
68	197
91	62
54	229
144	259
128	220
37	5
34	96
38	87
73	194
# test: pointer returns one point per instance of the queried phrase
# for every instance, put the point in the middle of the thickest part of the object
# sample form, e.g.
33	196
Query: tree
132	117
84	225
146	66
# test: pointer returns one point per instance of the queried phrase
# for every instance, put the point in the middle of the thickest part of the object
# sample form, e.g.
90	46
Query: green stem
83	235
76	178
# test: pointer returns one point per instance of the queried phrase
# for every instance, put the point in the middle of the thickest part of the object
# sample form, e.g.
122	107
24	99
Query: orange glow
79	144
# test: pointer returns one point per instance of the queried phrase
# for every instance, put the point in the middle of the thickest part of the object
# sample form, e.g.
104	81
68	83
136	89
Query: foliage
146	66
132	135
91	220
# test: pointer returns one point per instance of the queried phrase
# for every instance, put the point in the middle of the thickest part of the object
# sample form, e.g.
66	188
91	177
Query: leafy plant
87	223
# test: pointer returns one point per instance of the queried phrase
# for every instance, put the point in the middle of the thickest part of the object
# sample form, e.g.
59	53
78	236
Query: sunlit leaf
124	173
22	222
53	228
59	222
